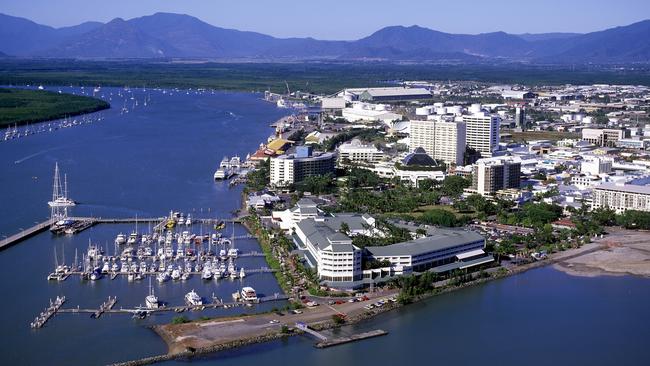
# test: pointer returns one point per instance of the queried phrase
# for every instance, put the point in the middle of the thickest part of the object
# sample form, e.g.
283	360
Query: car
296	311
352	300
331	302
273	321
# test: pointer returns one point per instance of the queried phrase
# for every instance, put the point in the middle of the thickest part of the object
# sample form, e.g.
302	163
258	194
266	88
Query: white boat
105	268
133	238
162	277
176	274
60	194
151	301
248	294
223	254
192	298
120	239
188	222
206	274
233	252
242	274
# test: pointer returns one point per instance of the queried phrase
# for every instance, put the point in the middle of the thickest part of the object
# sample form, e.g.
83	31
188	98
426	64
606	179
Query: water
145	162
541	317
162	157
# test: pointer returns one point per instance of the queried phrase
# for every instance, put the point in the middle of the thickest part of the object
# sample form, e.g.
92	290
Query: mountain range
168	35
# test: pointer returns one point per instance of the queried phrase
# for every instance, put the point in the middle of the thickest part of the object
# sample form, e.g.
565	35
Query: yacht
97	274
105	268
162	277
242	274
133	238
206	274
248	294
120	239
176	274
222	254
151	300
192	298
233	252
60	194
188	222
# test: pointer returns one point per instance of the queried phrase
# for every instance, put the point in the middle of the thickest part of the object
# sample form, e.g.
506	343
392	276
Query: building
358	153
387	94
440	247
493	174
332	105
520	119
482	132
289	169
621	197
606	137
442	140
364	112
595	165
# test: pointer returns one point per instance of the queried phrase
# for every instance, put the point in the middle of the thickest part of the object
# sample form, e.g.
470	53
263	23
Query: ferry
192	298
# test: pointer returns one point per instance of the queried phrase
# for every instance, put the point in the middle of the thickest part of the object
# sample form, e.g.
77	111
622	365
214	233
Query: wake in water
37	154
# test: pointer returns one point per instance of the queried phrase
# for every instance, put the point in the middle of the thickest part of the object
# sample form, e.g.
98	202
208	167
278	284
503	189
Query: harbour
187	185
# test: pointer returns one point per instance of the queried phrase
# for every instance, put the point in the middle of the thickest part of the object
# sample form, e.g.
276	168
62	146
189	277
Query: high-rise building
442	140
621	197
293	168
520	118
482	132
492	174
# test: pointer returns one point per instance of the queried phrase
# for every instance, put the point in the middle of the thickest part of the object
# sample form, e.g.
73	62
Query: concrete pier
6	243
353	338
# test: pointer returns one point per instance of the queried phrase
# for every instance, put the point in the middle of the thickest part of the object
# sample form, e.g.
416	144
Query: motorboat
192	298
248	294
120	239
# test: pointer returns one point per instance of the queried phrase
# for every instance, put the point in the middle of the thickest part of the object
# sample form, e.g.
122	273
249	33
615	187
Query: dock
106	306
38	228
353	338
44	316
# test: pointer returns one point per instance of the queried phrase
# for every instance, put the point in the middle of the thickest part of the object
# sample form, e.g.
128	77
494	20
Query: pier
38	228
44	316
104	307
353	338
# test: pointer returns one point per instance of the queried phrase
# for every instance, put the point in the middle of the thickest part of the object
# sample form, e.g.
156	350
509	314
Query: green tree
453	185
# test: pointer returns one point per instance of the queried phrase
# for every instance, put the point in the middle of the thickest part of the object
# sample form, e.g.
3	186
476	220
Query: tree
632	219
439	217
453	185
345	228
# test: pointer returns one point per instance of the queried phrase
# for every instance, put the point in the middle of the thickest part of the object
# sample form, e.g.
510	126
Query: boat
233	252
105	268
206	274
60	194
188	222
248	294
162	277
192	298
133	238
242	274
176	274
151	301
120	239
223	254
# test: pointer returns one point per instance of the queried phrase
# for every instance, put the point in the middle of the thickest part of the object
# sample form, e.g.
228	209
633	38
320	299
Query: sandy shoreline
624	252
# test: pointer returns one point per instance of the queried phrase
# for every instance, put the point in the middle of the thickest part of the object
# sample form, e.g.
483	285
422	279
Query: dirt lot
625	252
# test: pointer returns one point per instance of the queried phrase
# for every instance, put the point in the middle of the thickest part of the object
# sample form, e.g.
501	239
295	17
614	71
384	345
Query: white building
482	132
358	153
289	169
621	197
366	112
595	165
442	140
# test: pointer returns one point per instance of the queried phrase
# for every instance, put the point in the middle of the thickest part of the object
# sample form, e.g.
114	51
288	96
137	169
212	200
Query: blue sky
351	19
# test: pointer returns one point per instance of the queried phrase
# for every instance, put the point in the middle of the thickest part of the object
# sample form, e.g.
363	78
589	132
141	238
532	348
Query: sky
351	19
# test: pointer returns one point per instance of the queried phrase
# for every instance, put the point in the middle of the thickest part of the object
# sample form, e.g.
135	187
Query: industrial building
387	94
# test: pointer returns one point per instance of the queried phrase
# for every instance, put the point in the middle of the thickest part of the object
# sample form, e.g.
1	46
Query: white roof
471	253
630	188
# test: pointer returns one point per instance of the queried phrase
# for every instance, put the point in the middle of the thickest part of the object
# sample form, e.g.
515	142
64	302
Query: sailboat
60	194
151	300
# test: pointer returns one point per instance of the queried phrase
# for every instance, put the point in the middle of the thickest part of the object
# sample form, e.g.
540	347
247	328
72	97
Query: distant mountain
22	37
166	35
533	37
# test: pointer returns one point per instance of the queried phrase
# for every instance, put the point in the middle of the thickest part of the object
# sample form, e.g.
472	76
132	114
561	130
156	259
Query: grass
20	106
422	209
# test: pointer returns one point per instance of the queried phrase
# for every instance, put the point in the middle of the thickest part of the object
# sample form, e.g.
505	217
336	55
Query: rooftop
629	188
440	239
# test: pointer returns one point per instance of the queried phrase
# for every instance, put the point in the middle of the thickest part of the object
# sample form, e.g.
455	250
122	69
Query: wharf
44	316
6	243
106	306
353	338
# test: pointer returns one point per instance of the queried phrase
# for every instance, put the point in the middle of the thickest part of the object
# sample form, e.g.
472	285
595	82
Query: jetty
353	338
44	316
27	233
106	306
